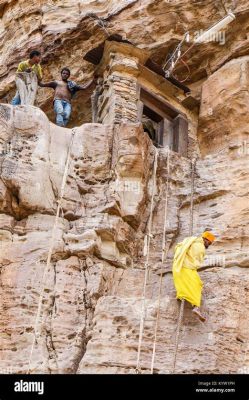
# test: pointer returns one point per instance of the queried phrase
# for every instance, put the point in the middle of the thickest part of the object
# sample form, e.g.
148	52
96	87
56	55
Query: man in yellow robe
188	257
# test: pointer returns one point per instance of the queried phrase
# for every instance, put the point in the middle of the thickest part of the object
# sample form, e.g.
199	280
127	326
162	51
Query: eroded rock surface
92	294
92	301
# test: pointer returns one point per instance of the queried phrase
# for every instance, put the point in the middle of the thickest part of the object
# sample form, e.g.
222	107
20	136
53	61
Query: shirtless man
64	91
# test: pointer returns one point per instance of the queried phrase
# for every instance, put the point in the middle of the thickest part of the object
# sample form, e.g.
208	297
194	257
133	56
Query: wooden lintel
161	107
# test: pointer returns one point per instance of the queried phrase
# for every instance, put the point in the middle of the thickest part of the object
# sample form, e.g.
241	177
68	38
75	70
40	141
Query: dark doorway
163	123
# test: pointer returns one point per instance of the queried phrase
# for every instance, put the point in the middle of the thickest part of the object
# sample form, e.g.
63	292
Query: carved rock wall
92	295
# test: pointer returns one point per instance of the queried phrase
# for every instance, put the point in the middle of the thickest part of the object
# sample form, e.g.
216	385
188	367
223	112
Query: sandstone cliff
92	299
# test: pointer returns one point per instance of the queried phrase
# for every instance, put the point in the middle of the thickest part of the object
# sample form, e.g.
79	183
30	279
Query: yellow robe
188	258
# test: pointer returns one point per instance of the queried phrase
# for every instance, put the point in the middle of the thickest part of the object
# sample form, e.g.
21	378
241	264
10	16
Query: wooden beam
180	140
168	133
191	102
161	107
159	133
151	114
140	107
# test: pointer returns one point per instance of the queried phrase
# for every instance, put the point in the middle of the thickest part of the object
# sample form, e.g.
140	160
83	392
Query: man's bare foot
196	311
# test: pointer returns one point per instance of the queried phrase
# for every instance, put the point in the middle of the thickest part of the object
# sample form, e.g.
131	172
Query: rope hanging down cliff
164	258
37	320
191	223
147	252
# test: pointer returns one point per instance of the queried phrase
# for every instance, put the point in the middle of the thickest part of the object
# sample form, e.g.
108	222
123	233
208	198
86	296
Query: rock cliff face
92	299
65	30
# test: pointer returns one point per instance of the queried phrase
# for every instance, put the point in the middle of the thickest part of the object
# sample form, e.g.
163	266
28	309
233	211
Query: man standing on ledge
32	64
188	257
64	91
